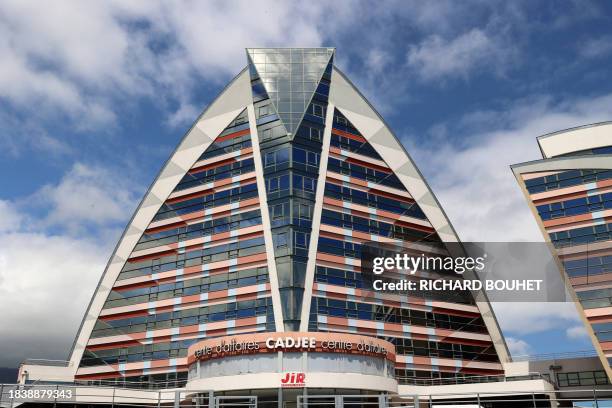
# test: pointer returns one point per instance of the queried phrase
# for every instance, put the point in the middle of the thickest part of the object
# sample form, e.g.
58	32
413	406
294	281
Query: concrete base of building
528	393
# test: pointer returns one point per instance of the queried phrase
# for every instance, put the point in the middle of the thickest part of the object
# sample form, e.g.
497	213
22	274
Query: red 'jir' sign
295	380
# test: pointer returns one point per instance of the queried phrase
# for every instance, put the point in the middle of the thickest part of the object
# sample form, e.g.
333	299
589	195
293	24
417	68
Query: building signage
293	380
315	342
291	342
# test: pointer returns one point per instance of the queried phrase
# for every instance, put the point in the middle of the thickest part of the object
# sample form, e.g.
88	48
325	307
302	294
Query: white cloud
50	55
49	264
85	59
86	195
83	63
532	317
212	31
376	60
184	114
435	57
46	282
596	47
577	332
18	134
10	218
518	347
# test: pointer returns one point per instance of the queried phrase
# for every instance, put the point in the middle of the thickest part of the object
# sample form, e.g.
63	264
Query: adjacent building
570	194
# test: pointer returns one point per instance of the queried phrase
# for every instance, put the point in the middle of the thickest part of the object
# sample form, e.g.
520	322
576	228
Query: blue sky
94	96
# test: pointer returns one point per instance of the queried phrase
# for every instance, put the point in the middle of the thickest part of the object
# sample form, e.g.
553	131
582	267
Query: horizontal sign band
220	347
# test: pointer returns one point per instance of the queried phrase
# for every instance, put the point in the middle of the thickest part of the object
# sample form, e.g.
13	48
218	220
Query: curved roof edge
563	163
560	164
575	139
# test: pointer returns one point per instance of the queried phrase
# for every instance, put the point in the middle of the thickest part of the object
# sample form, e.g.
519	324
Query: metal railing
342	401
593	398
590	398
45	362
12	396
555	356
180	383
142	385
476	379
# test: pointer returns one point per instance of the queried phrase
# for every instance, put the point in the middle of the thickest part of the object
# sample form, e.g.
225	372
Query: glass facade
291	144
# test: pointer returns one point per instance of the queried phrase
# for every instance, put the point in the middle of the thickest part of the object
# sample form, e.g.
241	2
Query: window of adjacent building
582	378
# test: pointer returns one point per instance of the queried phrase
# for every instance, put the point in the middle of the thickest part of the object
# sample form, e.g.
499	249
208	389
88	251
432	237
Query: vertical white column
265	220
316	219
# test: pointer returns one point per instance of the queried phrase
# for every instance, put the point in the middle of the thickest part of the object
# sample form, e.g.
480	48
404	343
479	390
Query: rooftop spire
290	77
